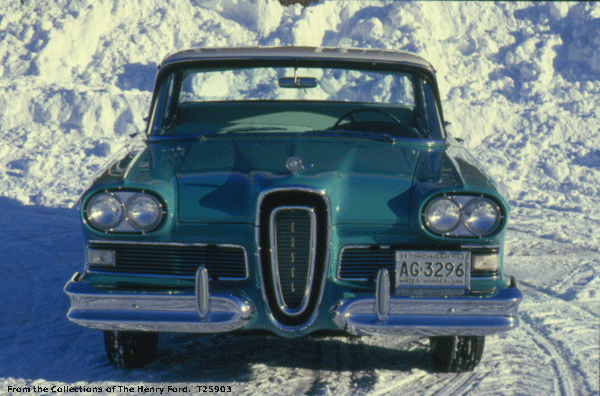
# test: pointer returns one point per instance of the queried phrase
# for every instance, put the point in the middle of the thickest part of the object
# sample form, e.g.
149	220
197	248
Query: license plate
433	269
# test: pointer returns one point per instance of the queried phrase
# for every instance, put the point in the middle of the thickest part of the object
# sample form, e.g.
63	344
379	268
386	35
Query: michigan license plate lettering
433	269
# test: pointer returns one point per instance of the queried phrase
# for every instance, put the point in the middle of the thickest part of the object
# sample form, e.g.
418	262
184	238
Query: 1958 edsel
295	190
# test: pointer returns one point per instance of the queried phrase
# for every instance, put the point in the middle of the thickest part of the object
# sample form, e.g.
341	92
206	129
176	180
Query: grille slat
181	261
362	264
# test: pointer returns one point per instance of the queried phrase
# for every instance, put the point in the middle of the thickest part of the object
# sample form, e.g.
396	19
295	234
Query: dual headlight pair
123	211
462	216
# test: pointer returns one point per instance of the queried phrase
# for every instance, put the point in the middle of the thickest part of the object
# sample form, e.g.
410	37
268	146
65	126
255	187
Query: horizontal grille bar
175	260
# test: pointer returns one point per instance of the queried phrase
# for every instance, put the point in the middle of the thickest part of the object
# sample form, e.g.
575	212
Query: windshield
264	84
289	99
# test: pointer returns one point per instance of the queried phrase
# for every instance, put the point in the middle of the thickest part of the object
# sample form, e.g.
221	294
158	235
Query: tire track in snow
566	333
563	378
424	383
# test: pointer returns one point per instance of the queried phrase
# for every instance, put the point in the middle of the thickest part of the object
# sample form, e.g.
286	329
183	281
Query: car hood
366	181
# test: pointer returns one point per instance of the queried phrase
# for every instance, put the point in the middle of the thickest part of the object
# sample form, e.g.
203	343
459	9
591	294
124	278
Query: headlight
481	216
143	212
462	216
105	211
442	215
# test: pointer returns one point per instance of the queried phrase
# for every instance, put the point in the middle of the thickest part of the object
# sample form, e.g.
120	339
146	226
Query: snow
520	84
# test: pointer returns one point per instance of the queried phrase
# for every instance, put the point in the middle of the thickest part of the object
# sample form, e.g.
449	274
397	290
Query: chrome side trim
154	311
275	260
467	315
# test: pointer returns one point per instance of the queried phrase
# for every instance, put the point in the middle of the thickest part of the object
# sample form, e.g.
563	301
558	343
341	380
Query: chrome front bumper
200	311
185	312
398	315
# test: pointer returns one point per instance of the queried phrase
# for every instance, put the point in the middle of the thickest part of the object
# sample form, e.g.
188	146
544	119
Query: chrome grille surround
173	260
303	315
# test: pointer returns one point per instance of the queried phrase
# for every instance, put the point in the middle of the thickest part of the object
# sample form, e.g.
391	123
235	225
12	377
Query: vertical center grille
293	256
293	237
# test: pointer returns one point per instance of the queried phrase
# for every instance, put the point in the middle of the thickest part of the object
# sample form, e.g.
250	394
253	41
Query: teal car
291	191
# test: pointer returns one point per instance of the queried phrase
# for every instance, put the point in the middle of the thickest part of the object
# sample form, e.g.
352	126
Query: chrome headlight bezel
127	223
463	227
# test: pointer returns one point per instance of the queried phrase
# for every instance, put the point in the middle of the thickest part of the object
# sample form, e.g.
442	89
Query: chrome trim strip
431	316
275	260
175	244
261	197
154	311
165	243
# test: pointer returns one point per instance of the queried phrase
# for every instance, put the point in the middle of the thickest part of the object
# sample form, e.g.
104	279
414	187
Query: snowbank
519	80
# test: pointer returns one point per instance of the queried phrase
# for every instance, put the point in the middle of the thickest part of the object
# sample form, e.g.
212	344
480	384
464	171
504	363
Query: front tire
456	354
130	349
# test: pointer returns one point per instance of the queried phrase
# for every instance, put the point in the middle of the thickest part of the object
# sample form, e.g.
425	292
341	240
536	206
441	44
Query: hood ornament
293	164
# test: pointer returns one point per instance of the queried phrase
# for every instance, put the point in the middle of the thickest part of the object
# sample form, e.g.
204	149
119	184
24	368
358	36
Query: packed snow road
554	351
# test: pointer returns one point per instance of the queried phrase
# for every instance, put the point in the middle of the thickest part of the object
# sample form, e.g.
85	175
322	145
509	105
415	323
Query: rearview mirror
298	82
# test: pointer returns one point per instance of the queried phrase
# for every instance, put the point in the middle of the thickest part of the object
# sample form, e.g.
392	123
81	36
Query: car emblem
294	164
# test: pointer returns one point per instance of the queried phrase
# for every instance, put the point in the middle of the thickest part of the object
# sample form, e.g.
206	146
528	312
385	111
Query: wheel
394	128
363	110
130	349
456	354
